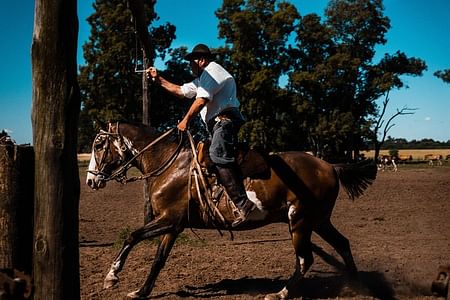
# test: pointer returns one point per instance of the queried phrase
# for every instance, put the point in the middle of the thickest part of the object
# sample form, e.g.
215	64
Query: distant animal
403	158
433	159
300	190
387	162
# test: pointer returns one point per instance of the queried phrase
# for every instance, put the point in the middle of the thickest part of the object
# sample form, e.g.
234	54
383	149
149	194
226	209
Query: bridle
101	163
120	173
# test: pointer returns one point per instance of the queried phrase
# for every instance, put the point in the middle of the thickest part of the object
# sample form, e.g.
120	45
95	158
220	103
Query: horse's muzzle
96	182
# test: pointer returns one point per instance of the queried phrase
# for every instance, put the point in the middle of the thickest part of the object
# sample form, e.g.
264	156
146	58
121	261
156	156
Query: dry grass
84	157
417	154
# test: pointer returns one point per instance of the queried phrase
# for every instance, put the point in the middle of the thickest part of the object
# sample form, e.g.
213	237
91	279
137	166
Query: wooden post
16	207
145	96
55	112
138	12
148	211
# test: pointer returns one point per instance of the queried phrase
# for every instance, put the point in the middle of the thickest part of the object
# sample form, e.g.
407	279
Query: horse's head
108	155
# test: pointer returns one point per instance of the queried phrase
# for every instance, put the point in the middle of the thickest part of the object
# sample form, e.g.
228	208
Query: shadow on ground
372	284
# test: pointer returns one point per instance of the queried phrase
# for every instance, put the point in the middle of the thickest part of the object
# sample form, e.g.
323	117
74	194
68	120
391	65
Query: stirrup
243	213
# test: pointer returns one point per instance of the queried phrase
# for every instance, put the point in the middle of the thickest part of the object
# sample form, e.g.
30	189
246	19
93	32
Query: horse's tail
355	178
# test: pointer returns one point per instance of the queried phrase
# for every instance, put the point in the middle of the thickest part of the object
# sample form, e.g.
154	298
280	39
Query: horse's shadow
373	284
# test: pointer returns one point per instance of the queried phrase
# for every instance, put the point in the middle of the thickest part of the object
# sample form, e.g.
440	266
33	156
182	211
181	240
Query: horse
300	190
432	158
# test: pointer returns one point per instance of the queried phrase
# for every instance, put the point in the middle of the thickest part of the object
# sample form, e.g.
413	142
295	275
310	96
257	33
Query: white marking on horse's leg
292	282
302	265
283	294
134	295
111	278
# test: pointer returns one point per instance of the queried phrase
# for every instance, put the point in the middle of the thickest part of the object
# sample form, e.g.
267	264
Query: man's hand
195	108
152	73
183	125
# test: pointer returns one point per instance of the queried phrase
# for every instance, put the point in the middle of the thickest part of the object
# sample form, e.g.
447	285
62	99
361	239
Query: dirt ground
399	233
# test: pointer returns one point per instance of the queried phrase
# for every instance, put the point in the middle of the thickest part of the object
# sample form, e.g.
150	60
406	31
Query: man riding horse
214	90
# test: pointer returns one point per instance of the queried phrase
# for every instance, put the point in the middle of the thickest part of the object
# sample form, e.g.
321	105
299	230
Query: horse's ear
99	125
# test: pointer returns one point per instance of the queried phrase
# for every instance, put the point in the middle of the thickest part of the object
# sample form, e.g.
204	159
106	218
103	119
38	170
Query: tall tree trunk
56	105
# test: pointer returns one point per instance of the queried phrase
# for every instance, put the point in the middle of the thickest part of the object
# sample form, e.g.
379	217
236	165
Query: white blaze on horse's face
95	176
107	155
92	180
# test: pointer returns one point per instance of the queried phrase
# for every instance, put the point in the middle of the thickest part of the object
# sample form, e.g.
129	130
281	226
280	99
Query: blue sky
419	28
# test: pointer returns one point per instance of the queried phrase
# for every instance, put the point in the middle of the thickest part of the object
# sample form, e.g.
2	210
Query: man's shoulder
214	65
215	68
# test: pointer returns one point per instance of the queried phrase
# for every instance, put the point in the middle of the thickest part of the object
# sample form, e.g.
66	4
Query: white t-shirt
217	86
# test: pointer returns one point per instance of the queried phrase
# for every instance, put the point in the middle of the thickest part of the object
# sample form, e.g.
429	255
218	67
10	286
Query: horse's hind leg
155	228
166	244
301	239
339	242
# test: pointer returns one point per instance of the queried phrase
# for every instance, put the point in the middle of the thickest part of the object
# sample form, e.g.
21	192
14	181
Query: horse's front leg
153	229
166	244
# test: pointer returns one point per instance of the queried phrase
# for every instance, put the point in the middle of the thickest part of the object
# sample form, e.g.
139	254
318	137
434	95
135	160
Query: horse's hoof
274	296
271	297
135	295
110	281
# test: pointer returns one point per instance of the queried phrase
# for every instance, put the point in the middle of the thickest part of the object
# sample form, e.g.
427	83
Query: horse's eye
98	146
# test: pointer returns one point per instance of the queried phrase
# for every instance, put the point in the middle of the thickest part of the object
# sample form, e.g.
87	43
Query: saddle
214	202
251	162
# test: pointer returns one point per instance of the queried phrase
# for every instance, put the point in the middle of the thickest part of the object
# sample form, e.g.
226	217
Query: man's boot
231	180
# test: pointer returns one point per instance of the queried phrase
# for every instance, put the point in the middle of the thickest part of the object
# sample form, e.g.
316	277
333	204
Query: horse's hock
16	206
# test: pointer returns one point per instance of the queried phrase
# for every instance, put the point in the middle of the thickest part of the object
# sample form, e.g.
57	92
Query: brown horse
300	190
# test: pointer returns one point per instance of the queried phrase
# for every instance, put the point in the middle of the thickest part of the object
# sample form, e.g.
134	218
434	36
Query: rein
119	174
205	199
162	168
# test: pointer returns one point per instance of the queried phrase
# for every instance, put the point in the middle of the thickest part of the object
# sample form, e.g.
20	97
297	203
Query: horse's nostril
89	182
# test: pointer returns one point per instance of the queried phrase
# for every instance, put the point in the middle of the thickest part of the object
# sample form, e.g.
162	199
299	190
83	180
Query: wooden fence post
16	207
16	220
55	112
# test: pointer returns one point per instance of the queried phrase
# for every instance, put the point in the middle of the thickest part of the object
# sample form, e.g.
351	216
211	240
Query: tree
386	126
335	79
168	109
256	33
110	87
444	75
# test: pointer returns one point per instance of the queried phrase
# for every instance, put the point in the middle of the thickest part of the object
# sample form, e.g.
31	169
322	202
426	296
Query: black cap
200	50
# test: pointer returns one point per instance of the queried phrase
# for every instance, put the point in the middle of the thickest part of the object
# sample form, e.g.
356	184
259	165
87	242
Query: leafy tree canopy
111	89
305	83
444	75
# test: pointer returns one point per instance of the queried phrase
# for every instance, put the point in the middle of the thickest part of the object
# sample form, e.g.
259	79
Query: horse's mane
143	134
149	130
